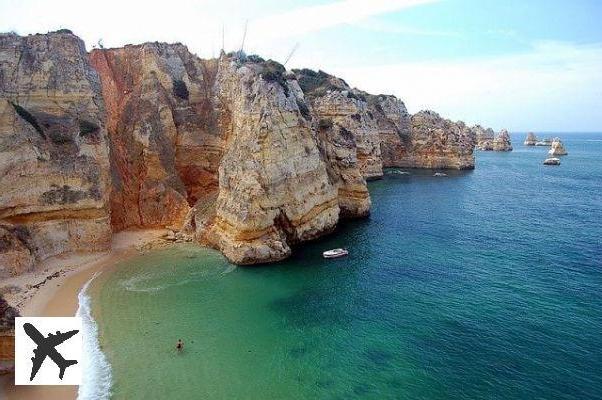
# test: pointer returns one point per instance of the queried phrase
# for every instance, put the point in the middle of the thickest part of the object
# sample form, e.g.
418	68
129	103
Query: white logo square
48	350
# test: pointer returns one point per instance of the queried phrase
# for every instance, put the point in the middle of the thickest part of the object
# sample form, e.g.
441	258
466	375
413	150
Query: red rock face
163	129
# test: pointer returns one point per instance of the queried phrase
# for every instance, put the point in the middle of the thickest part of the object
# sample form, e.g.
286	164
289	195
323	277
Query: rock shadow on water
378	357
311	308
325	383
361	390
297	352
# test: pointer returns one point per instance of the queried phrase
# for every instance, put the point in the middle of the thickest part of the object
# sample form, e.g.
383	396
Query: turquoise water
480	285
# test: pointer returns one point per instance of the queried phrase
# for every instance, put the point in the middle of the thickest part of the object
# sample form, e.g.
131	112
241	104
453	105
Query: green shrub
180	90
325	123
317	84
273	71
345	133
87	127
303	109
27	116
254	58
310	80
360	97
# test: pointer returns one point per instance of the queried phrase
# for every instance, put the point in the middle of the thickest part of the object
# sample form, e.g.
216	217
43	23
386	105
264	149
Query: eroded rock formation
531	139
334	102
388	135
274	190
557	148
502	141
54	163
243	155
484	138
165	145
440	143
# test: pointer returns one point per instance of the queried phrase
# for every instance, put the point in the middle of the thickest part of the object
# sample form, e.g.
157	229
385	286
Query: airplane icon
46	347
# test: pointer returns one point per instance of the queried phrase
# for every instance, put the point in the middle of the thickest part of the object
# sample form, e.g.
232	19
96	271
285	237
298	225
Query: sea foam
96	377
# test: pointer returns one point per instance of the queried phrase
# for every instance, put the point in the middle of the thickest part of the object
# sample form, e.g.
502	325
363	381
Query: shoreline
52	291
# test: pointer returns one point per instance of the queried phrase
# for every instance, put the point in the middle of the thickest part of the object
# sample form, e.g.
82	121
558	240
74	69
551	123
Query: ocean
481	284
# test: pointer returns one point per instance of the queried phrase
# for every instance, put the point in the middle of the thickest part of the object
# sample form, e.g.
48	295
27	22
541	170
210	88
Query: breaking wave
96	376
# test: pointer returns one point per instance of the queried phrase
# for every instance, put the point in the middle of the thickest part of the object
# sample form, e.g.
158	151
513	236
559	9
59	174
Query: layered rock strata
274	189
439	143
245	156
54	162
165	145
334	102
389	135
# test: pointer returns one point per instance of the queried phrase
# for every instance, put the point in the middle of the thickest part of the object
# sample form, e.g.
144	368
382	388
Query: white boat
439	174
335	253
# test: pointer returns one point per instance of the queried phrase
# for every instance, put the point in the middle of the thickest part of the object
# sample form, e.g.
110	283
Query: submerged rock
551	161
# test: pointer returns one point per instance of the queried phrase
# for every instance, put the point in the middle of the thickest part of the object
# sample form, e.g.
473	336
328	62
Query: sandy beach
52	289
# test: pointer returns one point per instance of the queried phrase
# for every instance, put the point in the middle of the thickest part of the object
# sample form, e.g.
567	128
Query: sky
523	65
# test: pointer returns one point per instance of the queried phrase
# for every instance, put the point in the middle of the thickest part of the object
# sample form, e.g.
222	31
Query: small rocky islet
556	147
487	140
234	152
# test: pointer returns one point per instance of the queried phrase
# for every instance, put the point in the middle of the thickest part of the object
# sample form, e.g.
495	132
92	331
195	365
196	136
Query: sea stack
502	141
531	139
557	148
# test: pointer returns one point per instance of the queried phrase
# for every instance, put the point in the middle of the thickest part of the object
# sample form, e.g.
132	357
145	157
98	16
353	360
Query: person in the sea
179	345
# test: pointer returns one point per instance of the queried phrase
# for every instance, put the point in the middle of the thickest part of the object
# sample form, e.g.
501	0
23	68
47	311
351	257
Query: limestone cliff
394	128
243	155
439	143
487	140
274	190
54	164
388	136
165	145
334	102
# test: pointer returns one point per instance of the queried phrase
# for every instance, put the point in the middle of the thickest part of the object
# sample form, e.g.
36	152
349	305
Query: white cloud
376	25
314	18
554	86
558	83
196	23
